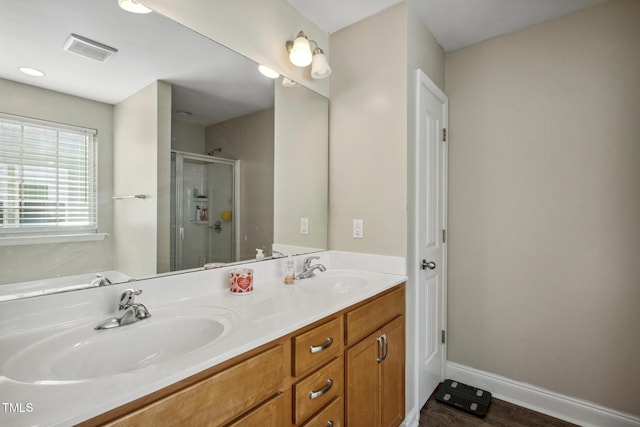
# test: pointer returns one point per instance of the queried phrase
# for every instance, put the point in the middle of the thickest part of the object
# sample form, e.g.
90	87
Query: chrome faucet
277	254
308	270
128	311
100	280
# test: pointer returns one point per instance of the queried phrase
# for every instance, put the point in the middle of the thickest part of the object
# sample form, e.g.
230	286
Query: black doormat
465	397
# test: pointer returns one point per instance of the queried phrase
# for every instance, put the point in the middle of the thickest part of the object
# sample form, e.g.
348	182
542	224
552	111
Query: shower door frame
235	207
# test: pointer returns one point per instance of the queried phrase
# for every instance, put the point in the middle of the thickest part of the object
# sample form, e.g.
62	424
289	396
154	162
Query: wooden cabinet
317	346
331	416
318	370
345	370
270	414
317	390
219	398
375	365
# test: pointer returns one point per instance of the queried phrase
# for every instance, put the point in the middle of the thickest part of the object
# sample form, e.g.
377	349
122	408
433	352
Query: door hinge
444	134
443	336
444	236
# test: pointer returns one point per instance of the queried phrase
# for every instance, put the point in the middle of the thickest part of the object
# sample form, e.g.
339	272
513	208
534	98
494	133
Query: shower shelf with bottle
201	211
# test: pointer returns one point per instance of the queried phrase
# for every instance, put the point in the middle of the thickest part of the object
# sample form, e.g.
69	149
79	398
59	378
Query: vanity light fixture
133	6
268	72
287	82
31	71
300	55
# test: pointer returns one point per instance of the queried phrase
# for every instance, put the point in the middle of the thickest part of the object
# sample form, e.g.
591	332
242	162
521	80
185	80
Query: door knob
428	265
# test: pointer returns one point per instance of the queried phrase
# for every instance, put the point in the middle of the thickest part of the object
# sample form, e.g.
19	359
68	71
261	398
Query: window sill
43	239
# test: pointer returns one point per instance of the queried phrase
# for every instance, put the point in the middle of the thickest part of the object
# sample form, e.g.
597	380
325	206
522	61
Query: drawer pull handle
326	388
319	348
386	346
330	423
383	347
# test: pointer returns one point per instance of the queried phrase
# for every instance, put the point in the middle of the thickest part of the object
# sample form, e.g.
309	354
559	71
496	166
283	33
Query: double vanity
326	351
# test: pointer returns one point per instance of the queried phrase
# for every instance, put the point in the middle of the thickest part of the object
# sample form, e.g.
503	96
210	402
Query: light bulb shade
300	54
268	72
133	6
320	68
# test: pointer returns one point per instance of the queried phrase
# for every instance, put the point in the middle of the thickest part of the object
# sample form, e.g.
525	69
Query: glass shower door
221	242
204	206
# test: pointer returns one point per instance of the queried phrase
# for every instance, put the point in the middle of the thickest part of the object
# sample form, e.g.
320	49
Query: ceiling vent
88	48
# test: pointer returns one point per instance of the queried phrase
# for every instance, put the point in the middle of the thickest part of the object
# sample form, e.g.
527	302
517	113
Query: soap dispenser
259	254
289	271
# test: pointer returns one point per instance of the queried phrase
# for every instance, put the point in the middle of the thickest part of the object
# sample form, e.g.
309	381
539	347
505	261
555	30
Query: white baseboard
560	406
412	419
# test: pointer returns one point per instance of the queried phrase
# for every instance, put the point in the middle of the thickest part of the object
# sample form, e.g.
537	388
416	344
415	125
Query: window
48	178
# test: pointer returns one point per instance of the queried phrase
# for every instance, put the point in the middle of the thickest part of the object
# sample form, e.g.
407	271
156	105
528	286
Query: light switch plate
358	229
304	225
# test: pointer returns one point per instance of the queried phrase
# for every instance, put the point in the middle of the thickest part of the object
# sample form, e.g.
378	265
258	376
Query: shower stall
204	210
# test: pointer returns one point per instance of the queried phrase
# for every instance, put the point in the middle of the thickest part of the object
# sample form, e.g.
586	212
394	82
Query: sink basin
81	353
332	282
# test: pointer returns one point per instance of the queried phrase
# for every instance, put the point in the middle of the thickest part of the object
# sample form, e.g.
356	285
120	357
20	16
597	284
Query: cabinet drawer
331	416
270	414
316	390
317	346
365	319
219	398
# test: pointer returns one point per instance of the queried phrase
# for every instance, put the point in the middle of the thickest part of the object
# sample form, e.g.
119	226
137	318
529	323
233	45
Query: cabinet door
363	387
392	374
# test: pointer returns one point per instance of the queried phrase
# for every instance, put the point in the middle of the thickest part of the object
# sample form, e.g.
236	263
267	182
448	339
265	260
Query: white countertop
271	311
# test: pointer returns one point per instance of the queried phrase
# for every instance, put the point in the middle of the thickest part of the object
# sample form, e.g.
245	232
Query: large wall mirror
200	158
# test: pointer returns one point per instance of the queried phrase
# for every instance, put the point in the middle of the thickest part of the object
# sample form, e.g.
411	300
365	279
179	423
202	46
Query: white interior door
431	187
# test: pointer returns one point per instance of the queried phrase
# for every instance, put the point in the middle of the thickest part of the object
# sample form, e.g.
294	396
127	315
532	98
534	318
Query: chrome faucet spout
127	311
308	270
100	280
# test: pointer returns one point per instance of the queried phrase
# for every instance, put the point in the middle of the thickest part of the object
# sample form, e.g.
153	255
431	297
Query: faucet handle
127	298
307	261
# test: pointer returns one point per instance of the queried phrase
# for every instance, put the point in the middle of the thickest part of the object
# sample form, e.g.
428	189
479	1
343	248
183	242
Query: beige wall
372	126
258	29
31	262
250	139
368	134
188	137
141	141
301	180
163	185
544	278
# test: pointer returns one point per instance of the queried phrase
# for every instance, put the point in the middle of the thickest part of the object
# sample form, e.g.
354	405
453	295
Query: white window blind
48	178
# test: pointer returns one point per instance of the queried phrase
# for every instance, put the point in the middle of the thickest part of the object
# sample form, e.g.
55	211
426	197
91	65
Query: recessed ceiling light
133	6
268	72
31	71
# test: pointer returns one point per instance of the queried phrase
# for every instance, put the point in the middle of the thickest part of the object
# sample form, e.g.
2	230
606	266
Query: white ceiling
151	47
209	80
454	23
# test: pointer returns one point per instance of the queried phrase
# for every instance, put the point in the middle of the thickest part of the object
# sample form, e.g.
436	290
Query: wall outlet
358	229
304	225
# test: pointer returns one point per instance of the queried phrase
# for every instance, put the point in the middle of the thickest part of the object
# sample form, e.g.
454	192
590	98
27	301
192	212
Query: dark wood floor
500	414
